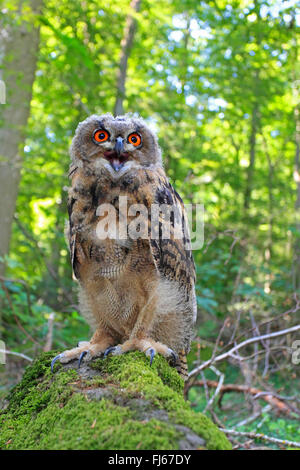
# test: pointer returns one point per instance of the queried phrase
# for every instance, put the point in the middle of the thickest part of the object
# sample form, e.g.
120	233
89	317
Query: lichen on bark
117	403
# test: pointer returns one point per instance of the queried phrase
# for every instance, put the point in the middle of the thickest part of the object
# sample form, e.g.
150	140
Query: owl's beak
117	157
119	147
116	164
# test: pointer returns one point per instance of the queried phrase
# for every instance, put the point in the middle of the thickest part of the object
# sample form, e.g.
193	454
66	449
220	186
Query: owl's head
118	144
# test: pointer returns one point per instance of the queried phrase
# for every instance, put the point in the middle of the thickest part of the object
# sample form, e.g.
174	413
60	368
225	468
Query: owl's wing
171	250
71	236
77	211
70	232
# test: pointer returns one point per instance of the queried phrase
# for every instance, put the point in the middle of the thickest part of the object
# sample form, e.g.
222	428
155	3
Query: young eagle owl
136	288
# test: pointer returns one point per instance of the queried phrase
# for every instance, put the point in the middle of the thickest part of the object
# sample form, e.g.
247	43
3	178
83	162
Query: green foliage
198	88
218	81
285	427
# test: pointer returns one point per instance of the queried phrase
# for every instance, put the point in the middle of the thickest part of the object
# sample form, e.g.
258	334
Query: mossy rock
117	403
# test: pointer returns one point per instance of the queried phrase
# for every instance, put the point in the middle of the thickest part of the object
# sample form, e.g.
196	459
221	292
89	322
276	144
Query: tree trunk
268	253
252	145
295	79
126	46
19	47
296	263
117	403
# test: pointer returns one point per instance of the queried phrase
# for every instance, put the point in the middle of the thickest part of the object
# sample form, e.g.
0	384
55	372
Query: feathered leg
140	339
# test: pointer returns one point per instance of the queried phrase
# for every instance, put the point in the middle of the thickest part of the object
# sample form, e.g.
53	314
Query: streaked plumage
136	293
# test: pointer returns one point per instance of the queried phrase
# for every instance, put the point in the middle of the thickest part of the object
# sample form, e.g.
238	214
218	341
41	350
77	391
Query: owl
129	244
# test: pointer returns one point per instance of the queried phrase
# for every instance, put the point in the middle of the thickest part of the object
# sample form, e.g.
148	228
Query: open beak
117	157
118	162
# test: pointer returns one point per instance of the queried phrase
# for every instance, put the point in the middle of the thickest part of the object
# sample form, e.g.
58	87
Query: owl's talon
55	359
84	353
174	357
150	352
109	350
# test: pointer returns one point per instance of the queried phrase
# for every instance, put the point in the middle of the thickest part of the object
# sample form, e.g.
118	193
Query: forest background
219	83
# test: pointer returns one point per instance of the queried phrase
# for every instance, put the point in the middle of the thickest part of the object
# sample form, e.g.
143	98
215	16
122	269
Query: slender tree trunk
295	78
268	249
19	47
296	264
126	46
254	124
252	145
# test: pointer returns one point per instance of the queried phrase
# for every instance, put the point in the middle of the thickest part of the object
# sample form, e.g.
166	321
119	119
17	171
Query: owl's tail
181	365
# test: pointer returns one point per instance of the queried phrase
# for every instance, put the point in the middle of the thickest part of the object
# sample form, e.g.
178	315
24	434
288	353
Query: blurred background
219	83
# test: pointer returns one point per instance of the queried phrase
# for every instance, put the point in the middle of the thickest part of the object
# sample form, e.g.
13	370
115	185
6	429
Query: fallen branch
229	353
254	435
266	396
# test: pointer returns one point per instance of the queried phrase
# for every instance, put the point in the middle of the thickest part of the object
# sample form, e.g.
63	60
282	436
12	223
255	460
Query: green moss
136	376
203	426
54	411
35	392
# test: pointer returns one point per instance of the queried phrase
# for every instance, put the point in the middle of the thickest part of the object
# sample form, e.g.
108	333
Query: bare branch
5	351
227	354
254	435
269	397
253	417
218	388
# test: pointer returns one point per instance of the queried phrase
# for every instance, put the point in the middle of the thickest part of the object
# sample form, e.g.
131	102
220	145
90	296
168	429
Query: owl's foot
147	346
85	350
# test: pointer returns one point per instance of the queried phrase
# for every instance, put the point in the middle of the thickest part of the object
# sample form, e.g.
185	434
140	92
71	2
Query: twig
292	310
14	314
23	283
263	351
269	397
237	323
267	362
280	397
225	324
5	351
253	417
266	345
235	240
218	388
205	386
254	435
228	232
257	332
49	337
248	375
227	354
79	100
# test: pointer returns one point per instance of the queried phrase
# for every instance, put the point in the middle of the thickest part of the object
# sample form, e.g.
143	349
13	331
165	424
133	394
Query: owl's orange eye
135	139
101	135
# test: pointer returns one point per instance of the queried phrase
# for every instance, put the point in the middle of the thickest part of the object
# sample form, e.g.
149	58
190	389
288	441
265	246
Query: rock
117	403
